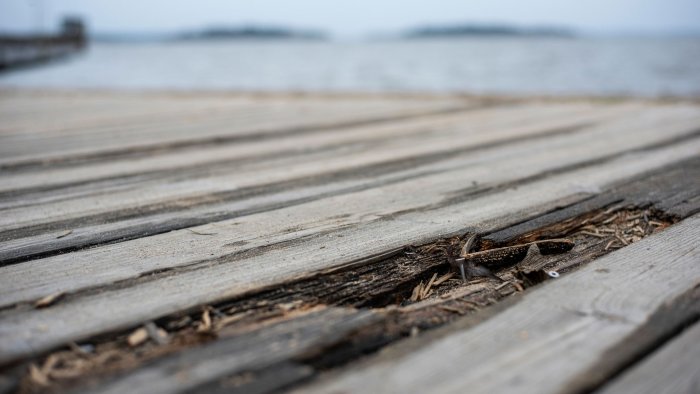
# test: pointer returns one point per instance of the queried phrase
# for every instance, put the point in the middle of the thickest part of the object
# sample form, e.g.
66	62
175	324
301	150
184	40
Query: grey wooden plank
557	336
24	332
673	122
26	281
243	152
105	111
202	155
271	171
272	197
674	368
252	351
273	119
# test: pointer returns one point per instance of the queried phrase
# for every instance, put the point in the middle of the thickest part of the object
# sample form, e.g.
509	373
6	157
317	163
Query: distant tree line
485	30
252	32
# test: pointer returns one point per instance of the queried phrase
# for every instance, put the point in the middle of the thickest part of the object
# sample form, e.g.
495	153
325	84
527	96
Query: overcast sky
355	18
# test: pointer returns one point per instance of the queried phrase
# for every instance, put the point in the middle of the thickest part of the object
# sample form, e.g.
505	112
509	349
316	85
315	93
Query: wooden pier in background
18	51
179	242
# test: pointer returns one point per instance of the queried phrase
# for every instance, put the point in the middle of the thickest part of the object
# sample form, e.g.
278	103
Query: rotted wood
389	280
217	281
263	348
568	336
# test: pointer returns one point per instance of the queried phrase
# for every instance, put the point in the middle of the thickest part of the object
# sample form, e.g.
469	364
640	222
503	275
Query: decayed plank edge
248	352
556	336
28	332
99	266
671	369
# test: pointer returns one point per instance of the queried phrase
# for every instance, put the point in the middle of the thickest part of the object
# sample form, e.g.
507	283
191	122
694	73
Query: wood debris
205	323
451	309
423	291
42	375
417	291
48	300
199	233
593	234
157	334
622	228
230	320
137	337
37	376
444	278
64	234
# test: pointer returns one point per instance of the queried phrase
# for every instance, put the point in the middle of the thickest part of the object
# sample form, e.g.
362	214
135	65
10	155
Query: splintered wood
624	228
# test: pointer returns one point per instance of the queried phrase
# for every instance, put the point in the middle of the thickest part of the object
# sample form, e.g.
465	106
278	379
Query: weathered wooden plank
674	368
24	332
335	137
272	119
245	153
564	337
304	220
19	109
674	124
103	112
256	350
190	214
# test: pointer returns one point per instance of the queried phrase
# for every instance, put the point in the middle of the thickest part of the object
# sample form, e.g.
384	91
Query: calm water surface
638	67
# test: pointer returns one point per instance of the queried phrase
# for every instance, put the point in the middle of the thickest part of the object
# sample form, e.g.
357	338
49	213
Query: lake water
550	66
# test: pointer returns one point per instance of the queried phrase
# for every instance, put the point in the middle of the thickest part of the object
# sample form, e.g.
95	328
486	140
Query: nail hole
553	274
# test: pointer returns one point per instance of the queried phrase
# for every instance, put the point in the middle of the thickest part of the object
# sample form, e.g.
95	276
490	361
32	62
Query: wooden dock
203	242
19	51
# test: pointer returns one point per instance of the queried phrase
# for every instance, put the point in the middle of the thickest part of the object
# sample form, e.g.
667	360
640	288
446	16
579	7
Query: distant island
262	32
462	30
256	32
214	33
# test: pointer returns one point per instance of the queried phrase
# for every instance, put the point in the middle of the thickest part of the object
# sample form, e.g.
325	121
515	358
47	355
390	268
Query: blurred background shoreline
646	67
650	51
